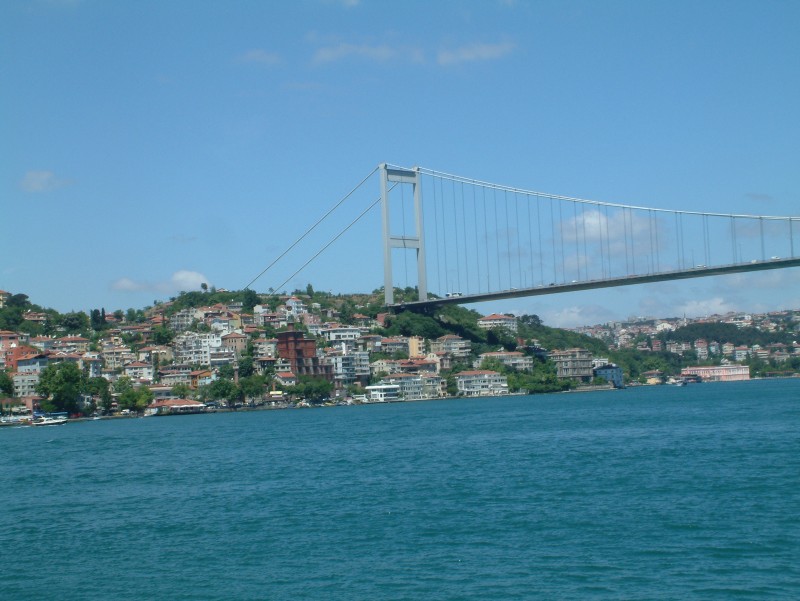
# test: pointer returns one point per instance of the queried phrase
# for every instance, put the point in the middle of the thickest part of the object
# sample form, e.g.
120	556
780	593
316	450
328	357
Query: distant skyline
150	147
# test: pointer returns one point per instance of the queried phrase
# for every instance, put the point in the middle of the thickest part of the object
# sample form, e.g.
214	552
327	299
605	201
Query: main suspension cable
312	228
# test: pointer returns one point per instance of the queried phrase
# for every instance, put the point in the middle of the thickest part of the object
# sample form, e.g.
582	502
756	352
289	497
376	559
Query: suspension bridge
474	241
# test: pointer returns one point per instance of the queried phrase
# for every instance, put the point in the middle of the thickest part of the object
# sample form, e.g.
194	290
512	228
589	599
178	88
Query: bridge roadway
683	274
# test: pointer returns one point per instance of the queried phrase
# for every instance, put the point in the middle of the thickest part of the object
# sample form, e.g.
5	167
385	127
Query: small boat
49	421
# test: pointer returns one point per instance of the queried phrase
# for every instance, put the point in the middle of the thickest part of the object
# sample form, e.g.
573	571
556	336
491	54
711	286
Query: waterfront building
575	363
481	382
410	387
173	406
383	393
612	374
718	373
653	376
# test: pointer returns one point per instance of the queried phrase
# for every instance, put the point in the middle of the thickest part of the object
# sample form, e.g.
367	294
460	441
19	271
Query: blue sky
151	146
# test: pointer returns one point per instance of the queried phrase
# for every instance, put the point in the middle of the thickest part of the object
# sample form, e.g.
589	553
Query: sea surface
646	493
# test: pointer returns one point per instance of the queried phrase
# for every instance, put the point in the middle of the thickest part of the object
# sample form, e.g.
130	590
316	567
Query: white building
497	320
195	348
410	386
349	367
383	393
341	334
513	359
481	382
138	370
453	344
25	383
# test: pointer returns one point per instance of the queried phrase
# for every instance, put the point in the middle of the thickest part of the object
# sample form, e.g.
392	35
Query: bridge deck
606	283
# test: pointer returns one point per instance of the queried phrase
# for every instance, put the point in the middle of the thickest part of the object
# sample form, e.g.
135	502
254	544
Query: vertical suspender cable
625	229
486	244
444	237
466	246
602	244
553	238
508	236
658	245
438	240
652	250
539	230
561	231
530	236
497	238
608	244
585	248
477	245
455	233
577	246
519	239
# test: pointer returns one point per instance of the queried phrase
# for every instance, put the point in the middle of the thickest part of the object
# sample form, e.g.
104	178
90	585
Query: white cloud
182	280
474	52
41	181
343	50
704	307
260	57
570	317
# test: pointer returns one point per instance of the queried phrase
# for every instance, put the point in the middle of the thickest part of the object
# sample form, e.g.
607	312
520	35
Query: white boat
49	421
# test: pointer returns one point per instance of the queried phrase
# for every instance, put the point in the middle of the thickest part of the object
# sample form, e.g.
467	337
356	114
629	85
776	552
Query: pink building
719	373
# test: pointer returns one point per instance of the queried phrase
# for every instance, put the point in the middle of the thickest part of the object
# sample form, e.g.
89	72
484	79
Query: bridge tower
390	241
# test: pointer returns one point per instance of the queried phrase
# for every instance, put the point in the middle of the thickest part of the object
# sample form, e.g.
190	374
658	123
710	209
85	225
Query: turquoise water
650	493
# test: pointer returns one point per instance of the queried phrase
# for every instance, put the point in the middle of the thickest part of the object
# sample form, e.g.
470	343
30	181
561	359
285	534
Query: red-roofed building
497	320
286	378
174	406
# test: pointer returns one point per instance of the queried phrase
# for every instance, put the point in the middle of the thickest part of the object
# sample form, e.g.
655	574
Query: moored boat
48	420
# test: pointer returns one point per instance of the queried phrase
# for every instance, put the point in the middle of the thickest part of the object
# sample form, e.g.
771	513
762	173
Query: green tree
182	391
135	399
252	387
101	388
6	383
249	299
162	335
62	385
221	389
18	300
75	322
314	390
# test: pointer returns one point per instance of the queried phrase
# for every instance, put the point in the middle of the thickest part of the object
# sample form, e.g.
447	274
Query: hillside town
253	350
